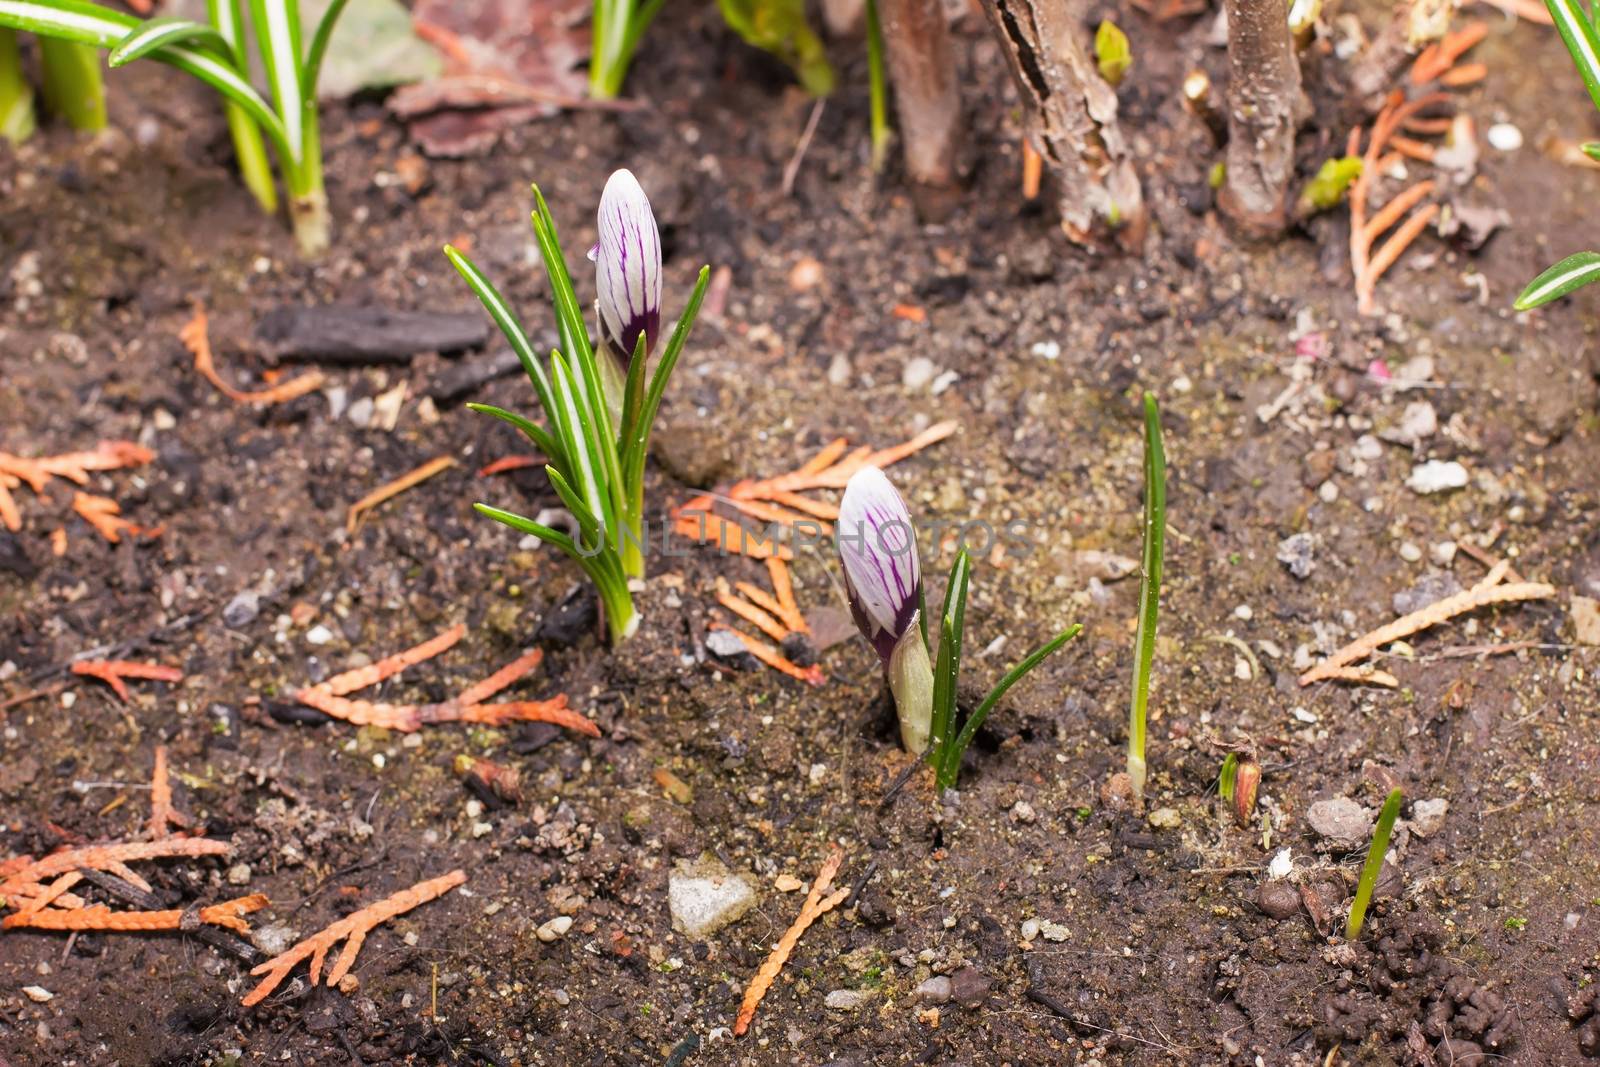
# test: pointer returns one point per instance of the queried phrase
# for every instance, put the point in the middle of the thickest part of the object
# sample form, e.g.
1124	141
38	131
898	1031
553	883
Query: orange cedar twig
107	456
754	616
58	542
696	521
1362	233
814	908
1464	75
353	930
163	816
51	893
106	858
789	608
196	339
773	658
1442	55
511	672
104	514
1032	170
767	603
373	673
1412	149
112	672
9	515
100	917
508	463
352	521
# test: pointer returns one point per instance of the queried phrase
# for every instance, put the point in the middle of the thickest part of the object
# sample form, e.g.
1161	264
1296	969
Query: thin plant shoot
598	408
1374	864
215	54
883	578
617	27
1155	539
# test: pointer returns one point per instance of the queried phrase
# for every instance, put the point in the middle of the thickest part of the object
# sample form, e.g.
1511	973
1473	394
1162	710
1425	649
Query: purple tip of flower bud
878	547
628	267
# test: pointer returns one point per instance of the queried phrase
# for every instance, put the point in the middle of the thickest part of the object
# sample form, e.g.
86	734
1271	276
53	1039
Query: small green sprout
16	95
1112	52
780	27
1324	191
1374	864
598	410
877	88
73	87
615	28
1155	539
1516	922
1217	175
1228	777
215	54
883	579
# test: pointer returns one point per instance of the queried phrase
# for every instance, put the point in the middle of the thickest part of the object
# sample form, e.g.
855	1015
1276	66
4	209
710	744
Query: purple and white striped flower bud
878	547
627	267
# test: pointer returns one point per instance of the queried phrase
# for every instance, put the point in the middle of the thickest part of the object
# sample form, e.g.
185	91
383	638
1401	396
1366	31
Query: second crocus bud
878	547
627	268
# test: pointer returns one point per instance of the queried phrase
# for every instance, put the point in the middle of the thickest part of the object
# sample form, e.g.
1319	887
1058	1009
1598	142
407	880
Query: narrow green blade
1571	273
1582	42
157	33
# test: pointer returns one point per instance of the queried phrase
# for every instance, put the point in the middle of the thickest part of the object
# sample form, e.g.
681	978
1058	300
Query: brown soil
1166	956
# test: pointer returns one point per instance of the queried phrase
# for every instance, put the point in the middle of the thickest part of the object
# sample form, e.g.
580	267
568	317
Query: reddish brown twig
163	816
388	667
773	658
1486	592
753	615
1369	265
1438	58
788	607
508	463
814	908
113	673
105	515
329	697
353	930
73	466
197	340
100	917
24	871
352	521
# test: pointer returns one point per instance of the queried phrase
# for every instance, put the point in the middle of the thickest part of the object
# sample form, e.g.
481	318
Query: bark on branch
1263	98
1072	116
922	68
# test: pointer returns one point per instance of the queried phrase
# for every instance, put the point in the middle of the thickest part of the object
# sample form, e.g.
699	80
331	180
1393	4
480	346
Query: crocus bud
878	547
627	267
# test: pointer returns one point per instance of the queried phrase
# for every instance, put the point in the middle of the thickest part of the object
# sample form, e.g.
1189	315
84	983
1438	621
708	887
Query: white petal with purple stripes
628	266
878	547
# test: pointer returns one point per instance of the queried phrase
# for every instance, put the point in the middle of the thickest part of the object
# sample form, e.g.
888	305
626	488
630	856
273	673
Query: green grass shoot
1155	537
1374	864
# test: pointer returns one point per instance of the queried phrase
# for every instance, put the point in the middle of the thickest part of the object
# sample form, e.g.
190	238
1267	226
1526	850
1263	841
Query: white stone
704	896
1281	865
846	999
918	373
1437	476
318	635
1030	929
555	929
1504	137
1053	931
1427	816
38	993
1166	819
1341	820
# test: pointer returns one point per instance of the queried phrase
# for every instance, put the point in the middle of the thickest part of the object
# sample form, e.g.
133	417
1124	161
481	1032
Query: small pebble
935	990
555	929
38	994
918	373
1030	930
1278	899
846	999
1437	476
806	274
1442	553
239	874
1022	812
1166	819
319	635
1054	931
1243	613
1504	137
1410	552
